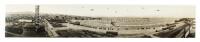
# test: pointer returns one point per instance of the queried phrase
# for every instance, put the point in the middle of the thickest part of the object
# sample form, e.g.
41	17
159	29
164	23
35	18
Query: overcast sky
111	10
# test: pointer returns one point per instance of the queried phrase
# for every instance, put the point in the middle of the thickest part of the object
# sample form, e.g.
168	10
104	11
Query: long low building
121	28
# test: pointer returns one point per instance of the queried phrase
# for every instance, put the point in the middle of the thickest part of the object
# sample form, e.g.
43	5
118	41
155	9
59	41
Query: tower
36	28
37	17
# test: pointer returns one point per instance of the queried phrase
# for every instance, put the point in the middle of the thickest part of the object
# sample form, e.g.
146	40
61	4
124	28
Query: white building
24	20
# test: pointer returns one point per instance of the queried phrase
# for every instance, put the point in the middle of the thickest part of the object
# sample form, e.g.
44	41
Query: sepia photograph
99	21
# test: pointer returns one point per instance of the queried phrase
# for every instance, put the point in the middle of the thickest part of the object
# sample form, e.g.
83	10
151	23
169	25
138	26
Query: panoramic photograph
100	21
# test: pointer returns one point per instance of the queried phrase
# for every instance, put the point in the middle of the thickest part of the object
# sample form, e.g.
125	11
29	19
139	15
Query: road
178	32
71	26
50	29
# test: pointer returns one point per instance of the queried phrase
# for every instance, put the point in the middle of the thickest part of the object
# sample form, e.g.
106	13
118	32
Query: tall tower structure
36	29
37	17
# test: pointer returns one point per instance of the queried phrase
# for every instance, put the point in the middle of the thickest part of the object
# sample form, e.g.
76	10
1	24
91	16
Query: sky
110	10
